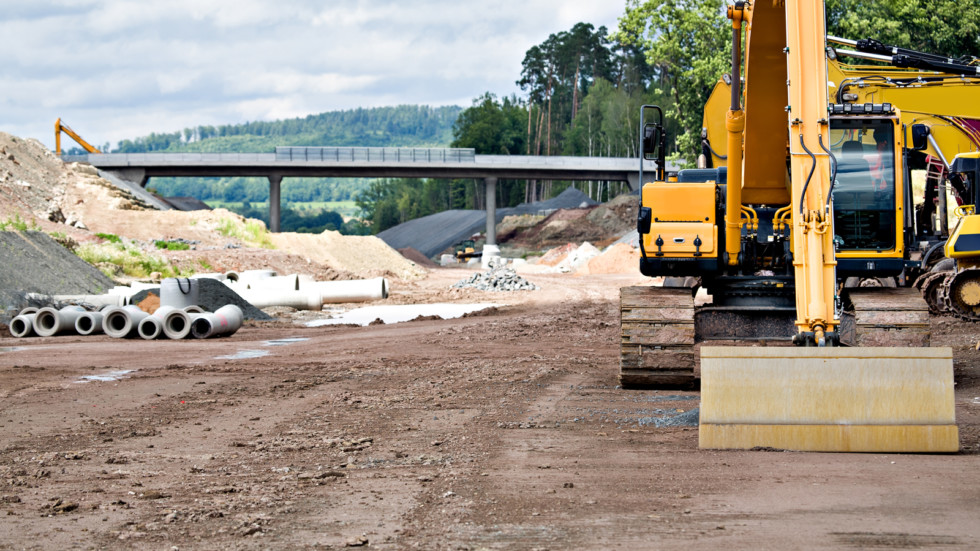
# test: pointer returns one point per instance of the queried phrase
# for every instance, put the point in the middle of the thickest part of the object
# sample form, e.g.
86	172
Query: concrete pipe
49	322
300	300
23	325
29	310
215	275
358	290
177	324
250	276
224	321
180	292
231	277
151	327
89	323
276	283
121	322
193	309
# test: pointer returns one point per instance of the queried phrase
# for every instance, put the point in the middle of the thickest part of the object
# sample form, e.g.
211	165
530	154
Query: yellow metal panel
967	231
765	178
833	438
687	202
679	238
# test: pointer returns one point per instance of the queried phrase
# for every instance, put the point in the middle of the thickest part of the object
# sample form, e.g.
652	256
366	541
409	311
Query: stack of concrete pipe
128	321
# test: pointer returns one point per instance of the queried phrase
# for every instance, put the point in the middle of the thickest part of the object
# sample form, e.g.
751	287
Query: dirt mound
39	188
366	256
35	263
618	216
417	257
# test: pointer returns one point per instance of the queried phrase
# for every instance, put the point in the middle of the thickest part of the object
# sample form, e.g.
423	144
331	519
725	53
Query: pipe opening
85	323
201	328
18	327
46	320
117	322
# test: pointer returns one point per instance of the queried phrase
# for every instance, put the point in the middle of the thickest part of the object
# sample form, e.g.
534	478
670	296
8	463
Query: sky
118	69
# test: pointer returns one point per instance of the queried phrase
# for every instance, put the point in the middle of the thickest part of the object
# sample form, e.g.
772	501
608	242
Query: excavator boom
60	127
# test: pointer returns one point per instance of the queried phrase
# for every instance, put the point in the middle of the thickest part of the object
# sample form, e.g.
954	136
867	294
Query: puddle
244	355
104	377
400	313
284	342
12	349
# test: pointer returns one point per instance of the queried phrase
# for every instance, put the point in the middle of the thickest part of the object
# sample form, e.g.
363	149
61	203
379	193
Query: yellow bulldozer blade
828	399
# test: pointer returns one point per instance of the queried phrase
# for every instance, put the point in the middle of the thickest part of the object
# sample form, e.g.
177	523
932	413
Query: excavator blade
834	399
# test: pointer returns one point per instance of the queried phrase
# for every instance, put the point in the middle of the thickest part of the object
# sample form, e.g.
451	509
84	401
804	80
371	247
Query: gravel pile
498	278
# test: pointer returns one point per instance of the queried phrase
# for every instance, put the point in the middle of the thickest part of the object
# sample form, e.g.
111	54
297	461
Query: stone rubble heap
498	278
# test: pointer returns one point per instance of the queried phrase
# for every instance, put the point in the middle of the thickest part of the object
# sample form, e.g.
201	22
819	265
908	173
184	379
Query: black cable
809	176
833	168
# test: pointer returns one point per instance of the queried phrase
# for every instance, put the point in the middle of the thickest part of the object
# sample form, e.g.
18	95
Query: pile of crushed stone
33	262
498	278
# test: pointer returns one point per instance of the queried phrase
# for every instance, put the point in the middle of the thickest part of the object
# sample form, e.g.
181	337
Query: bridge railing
376	154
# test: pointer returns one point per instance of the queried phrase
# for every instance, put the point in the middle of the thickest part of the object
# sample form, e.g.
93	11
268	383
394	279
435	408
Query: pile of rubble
498	278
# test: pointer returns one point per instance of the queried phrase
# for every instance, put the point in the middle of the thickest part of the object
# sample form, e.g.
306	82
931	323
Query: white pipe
122	322
23	325
276	283
358	290
250	276
215	275
177	324
231	277
300	300
49	322
29	310
89	323
179	292
193	309
151	327
224	321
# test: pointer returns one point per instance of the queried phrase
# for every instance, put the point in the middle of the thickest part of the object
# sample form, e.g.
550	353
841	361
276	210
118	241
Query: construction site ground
504	430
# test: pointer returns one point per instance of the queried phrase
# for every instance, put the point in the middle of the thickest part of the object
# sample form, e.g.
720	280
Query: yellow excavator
812	192
60	127
937	99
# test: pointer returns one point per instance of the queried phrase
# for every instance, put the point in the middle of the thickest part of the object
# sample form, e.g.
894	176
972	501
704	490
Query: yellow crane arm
60	127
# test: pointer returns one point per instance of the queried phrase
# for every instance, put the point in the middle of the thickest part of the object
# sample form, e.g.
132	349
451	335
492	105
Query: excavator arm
60	127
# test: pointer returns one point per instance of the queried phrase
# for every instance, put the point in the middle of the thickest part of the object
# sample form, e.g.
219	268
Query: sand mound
617	259
362	255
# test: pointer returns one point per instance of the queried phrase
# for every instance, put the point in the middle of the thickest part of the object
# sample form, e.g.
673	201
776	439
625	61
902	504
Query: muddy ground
496	431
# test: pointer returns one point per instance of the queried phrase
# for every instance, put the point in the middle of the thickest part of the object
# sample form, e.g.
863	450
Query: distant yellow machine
60	127
811	192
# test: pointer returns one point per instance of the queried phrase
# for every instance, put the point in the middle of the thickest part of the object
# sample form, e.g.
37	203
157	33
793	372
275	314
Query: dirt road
496	431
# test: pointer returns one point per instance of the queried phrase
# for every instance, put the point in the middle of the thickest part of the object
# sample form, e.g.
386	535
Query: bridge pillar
491	185
274	181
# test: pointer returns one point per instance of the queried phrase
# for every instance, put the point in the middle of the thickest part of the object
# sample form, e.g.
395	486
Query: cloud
117	69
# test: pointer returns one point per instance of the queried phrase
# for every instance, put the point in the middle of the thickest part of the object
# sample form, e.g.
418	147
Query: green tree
688	44
945	27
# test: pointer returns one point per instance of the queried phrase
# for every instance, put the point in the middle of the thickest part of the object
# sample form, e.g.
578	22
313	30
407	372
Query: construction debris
498	278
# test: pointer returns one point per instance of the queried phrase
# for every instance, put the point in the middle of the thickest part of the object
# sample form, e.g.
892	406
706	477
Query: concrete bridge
364	162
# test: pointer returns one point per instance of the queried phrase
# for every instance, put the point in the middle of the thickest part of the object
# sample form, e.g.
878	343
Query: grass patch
16	223
252	232
171	245
110	237
133	262
205	265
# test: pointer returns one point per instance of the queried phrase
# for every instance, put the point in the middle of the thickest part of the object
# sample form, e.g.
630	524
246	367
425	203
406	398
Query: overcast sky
116	69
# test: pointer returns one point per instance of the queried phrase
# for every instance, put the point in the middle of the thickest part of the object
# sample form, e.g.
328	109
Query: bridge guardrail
376	154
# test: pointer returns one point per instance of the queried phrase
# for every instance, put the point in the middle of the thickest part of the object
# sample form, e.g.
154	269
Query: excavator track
961	294
885	316
931	285
657	345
